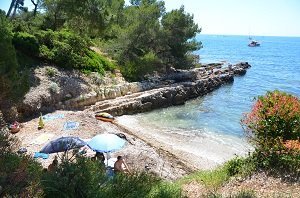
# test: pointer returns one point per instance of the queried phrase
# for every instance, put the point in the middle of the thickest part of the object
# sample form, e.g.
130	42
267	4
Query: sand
139	154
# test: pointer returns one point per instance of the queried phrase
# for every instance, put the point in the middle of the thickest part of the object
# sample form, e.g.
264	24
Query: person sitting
118	166
53	165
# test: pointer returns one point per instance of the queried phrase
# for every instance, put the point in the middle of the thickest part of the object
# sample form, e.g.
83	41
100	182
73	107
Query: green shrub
240	166
86	178
275	115
46	53
136	70
46	38
273	122
211	179
64	55
19	174
134	185
80	179
26	43
68	50
165	190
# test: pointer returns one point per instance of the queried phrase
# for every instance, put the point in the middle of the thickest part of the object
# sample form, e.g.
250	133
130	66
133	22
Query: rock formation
74	91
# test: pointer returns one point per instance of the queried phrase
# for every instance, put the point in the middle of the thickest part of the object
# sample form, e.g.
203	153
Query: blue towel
41	155
71	125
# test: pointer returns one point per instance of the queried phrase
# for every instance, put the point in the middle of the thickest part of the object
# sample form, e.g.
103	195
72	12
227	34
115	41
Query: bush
273	125
26	43
275	115
240	166
211	179
80	179
50	72
146	64
19	174
165	190
68	50
86	178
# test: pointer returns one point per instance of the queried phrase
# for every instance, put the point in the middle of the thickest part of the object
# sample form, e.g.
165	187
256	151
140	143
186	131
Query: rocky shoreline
70	90
174	89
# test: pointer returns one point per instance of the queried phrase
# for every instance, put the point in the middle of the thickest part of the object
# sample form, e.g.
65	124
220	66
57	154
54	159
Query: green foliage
165	190
86	178
211	179
240	166
90	18
8	62
50	72
144	65
26	22
69	50
135	185
274	122
80	179
13	84
147	31
19	174
275	115
26	43
179	30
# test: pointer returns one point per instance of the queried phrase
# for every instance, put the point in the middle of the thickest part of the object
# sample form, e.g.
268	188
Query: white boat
254	43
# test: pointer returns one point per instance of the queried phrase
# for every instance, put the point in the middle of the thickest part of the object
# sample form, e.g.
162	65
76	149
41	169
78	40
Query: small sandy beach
154	150
138	153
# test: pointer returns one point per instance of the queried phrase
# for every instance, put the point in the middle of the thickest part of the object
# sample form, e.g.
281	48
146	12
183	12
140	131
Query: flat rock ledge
173	89
68	90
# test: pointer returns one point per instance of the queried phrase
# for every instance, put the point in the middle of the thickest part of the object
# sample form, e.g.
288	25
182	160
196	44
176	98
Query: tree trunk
35	6
15	8
10	8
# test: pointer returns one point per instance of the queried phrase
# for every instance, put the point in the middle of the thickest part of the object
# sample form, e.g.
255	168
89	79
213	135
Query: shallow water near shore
209	126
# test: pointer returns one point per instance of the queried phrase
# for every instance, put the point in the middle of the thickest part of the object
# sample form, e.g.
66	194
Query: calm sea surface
275	65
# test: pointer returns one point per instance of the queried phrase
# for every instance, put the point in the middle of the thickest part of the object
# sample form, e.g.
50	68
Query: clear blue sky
236	17
243	17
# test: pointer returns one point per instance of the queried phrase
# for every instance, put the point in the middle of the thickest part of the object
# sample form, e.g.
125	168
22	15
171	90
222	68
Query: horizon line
293	36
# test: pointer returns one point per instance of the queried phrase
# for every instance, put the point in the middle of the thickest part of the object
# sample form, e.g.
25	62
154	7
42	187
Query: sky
235	17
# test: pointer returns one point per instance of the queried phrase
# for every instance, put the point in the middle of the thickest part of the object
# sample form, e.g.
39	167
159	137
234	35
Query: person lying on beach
118	166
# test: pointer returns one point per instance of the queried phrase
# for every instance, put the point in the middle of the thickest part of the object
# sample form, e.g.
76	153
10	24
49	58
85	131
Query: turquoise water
275	65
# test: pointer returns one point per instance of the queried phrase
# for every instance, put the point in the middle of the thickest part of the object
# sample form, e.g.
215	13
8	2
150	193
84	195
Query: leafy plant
19	174
273	125
211	179
27	43
165	190
50	72
240	166
275	115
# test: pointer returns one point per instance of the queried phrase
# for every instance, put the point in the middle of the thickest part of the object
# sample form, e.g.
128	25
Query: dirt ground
138	154
260	184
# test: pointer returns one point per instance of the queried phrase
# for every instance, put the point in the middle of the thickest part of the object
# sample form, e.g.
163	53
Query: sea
209	127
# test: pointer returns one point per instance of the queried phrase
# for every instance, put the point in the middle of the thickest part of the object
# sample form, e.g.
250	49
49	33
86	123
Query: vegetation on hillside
140	38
